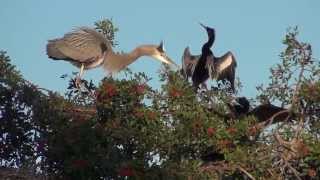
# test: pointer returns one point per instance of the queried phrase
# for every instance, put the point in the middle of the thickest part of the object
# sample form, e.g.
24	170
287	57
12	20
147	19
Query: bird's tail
53	52
232	78
186	53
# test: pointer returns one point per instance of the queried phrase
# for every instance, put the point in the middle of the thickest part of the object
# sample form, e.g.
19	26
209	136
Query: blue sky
251	29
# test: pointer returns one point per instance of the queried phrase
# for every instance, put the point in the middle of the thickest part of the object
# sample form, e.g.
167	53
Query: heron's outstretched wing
189	62
225	68
83	45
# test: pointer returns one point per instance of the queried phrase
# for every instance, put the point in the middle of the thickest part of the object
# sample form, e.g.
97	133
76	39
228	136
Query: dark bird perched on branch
211	156
201	71
241	107
262	113
206	65
86	48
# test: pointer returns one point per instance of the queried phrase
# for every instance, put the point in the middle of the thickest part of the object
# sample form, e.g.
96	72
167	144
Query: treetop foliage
125	129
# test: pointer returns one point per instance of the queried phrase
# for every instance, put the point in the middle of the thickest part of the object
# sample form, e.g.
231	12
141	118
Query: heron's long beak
167	60
172	62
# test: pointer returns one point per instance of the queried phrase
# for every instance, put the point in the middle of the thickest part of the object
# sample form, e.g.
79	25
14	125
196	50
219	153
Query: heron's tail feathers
186	52
53	52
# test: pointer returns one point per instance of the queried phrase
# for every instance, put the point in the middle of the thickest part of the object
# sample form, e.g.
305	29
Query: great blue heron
86	48
201	67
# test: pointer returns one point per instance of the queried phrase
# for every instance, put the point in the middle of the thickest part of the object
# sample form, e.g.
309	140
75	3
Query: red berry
232	130
138	113
110	89
312	173
175	93
252	131
211	131
140	89
79	163
126	171
152	115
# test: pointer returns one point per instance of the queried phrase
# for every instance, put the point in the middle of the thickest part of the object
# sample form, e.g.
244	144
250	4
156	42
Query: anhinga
206	65
201	71
241	107
262	112
86	48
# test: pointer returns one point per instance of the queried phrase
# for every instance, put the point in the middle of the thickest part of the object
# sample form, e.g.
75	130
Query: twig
277	114
246	172
270	120
270	172
300	125
305	58
295	172
89	110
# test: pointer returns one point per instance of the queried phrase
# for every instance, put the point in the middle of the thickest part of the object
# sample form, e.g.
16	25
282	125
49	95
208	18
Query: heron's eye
160	49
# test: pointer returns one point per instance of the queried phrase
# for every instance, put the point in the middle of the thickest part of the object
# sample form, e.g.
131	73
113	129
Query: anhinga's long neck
211	40
115	62
209	43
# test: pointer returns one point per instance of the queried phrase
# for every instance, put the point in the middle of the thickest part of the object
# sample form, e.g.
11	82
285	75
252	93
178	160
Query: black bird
239	107
189	62
262	112
211	155
206	65
201	72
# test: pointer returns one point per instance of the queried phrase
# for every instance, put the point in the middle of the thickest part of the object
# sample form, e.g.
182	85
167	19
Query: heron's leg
81	70
78	78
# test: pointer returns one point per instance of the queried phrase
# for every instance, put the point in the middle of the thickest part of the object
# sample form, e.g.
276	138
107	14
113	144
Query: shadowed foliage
125	129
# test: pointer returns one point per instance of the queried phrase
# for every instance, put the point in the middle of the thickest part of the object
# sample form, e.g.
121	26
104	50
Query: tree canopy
125	129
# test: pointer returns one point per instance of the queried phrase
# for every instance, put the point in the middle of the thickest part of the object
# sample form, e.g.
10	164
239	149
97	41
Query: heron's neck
118	61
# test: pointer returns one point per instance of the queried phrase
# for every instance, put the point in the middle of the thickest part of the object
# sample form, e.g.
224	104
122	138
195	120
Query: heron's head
209	30
159	53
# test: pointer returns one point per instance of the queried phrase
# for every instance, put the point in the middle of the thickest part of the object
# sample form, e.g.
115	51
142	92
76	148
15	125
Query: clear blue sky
251	29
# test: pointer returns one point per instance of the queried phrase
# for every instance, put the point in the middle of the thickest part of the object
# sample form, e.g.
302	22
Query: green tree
125	129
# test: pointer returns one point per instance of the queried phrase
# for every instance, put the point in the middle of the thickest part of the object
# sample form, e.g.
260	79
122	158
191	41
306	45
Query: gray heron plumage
86	48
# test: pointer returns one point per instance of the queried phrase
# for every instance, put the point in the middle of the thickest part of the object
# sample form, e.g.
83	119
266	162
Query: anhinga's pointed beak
205	27
209	30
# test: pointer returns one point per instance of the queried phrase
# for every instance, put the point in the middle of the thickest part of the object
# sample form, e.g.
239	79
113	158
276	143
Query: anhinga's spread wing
81	46
223	68
189	62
